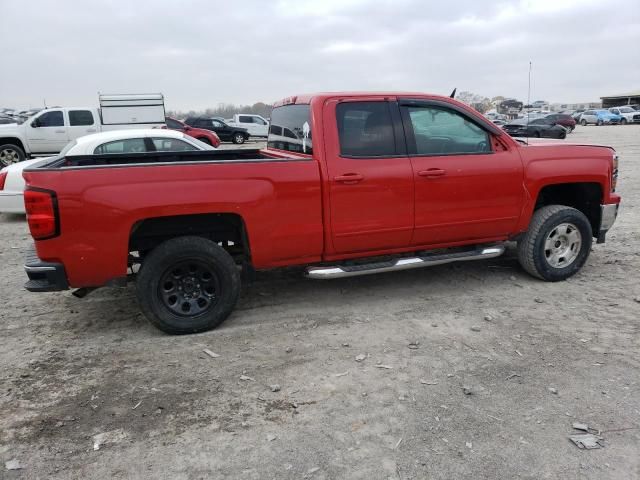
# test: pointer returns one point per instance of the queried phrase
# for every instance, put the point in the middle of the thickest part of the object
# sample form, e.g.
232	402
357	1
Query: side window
245	119
172	145
259	121
79	118
129	145
365	129
203	123
217	124
51	119
439	131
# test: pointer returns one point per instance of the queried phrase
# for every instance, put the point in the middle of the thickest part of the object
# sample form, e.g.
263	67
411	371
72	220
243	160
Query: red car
206	136
567	121
349	184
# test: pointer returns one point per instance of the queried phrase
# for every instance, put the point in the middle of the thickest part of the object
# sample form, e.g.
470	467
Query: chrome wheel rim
9	156
562	245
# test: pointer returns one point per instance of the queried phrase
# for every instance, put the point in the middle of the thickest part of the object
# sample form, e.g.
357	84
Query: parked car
563	119
538	128
4	120
47	132
599	117
366	176
119	141
225	132
207	136
627	114
256	125
576	115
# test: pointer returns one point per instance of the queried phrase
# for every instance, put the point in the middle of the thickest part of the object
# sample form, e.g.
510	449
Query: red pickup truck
349	184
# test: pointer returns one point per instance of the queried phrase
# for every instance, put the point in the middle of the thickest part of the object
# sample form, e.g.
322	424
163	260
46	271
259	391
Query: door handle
432	172
91	130
349	178
61	131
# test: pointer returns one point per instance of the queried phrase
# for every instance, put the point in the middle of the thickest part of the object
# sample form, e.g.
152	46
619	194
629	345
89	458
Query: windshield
290	129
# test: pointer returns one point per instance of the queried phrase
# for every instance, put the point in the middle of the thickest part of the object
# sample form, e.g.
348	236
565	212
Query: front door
370	176
468	184
47	133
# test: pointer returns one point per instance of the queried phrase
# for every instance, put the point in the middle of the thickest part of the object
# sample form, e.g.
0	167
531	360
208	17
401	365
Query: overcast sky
201	53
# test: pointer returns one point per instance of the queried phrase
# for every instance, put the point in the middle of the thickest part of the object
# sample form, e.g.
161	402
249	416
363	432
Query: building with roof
630	98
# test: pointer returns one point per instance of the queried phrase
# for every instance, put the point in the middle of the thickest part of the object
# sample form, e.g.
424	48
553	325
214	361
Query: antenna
453	94
528	103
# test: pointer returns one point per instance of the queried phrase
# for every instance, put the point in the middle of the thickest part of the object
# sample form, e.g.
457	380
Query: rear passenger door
468	184
369	175
81	123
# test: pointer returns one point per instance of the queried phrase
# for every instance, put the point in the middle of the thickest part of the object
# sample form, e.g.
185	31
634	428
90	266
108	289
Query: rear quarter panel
279	202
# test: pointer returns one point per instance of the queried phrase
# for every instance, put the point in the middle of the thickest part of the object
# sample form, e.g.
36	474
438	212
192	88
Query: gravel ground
88	389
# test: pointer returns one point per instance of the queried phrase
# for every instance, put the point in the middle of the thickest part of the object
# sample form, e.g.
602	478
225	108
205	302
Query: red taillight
42	213
3	177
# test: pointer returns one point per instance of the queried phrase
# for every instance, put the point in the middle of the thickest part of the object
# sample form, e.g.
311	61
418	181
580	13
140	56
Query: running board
427	260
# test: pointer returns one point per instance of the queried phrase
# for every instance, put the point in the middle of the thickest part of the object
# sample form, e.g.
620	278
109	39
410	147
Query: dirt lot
72	369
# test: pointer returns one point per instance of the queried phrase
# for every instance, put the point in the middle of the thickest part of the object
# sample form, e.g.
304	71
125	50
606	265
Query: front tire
238	138
188	285
557	244
599	123
206	140
583	123
623	121
10	154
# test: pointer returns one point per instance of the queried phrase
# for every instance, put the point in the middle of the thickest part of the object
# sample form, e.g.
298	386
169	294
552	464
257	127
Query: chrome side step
427	260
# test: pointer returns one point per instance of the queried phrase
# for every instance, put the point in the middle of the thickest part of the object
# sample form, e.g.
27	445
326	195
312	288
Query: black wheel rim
189	288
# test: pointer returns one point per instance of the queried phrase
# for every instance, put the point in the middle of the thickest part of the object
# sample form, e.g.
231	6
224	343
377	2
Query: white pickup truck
256	125
48	131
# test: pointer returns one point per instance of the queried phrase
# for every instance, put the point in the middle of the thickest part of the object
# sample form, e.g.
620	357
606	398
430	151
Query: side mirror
35	123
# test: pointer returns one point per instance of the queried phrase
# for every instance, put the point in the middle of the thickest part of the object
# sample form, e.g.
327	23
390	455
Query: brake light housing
42	213
614	173
3	178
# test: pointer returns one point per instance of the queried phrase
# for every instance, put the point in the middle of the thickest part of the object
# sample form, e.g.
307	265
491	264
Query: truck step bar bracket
406	263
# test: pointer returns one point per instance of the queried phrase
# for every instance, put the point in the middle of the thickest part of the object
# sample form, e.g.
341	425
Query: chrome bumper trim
608	215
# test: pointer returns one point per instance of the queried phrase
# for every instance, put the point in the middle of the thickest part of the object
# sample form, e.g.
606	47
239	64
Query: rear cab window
290	129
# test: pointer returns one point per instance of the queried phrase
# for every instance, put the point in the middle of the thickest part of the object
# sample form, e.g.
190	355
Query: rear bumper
43	276
608	215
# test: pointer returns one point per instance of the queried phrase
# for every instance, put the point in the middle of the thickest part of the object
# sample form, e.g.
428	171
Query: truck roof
306	98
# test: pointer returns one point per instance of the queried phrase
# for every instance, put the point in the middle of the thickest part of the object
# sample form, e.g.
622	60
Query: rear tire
583	123
188	285
10	154
623	121
557	244
206	140
599	123
238	138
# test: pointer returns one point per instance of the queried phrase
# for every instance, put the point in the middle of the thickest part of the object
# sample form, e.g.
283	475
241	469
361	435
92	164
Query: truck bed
277	198
131	159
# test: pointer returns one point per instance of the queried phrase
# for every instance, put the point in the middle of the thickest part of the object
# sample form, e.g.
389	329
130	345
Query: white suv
628	114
